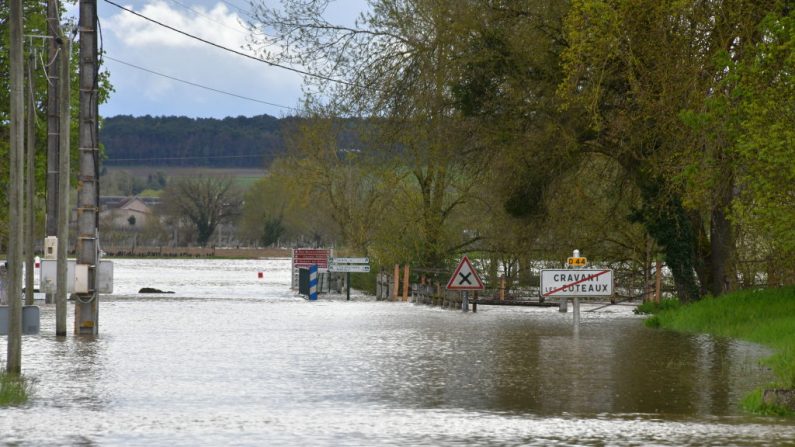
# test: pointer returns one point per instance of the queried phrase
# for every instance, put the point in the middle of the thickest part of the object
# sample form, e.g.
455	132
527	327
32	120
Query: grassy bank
13	390
766	317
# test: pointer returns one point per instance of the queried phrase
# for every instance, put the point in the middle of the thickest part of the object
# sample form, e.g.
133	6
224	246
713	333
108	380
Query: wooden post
396	282
406	282
502	288
658	285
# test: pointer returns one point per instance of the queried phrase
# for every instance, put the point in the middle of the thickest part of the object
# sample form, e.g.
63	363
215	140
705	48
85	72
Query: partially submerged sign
577	282
465	277
306	257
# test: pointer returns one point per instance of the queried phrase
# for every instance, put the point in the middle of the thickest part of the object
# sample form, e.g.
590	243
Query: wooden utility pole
63	187
53	71
86	305
14	358
30	183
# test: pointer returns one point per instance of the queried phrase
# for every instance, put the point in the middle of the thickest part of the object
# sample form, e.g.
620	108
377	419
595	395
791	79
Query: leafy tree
634	67
394	68
205	202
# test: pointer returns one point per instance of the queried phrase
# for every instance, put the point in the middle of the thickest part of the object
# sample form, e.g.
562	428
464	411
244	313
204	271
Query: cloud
218	25
134	40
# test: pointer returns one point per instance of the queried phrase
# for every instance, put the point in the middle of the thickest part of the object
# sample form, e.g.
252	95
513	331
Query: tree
393	68
205	202
635	68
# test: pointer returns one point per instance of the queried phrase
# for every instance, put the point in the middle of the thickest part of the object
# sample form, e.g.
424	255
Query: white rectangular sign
577	282
349	260
352	268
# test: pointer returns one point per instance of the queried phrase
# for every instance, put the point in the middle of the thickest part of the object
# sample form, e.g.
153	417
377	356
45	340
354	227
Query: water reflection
264	367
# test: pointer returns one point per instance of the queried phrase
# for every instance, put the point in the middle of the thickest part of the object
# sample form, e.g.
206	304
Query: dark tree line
207	142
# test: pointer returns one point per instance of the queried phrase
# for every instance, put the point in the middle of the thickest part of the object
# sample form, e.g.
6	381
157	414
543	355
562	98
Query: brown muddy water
230	359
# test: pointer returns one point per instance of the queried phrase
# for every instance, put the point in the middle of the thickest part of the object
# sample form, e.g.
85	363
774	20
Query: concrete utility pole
30	181
86	305
53	72
14	358
63	187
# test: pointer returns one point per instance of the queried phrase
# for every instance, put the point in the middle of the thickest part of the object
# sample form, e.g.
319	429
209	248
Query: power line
238	30
272	64
199	85
245	12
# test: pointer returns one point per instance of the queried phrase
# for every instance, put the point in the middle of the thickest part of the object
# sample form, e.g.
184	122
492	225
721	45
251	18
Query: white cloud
218	25
136	41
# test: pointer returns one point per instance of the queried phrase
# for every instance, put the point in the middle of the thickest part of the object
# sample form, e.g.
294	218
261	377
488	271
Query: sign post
349	265
464	279
313	282
576	283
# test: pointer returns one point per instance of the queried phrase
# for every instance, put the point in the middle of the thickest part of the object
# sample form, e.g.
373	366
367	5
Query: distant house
126	212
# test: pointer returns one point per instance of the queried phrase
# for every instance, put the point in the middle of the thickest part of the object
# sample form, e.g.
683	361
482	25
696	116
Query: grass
13	390
764	316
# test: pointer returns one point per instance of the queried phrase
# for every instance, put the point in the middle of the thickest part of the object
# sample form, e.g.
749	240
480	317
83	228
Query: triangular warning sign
465	277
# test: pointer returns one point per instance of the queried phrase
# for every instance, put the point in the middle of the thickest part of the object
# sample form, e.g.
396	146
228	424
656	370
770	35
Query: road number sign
577	282
577	262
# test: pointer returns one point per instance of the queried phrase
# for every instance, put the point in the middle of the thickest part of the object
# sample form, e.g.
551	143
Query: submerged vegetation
764	316
13	390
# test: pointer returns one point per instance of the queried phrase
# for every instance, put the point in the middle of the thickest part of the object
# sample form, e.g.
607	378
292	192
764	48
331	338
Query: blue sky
132	41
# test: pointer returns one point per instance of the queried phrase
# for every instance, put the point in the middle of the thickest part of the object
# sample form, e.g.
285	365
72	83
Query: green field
243	178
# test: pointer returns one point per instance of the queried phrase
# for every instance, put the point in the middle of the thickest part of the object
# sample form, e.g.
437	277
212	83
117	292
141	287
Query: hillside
182	141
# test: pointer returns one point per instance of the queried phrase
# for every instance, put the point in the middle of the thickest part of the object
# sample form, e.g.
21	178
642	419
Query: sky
135	47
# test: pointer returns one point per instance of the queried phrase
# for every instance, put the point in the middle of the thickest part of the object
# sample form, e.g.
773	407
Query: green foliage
13	390
753	403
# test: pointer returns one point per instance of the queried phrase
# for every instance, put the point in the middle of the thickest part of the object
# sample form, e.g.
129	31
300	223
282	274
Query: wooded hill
183	141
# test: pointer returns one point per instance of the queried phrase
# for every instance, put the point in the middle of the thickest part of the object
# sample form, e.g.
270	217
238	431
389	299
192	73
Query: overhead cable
239	53
199	85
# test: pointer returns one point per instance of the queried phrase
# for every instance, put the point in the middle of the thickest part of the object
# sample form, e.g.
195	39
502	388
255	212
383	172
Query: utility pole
86	305
30	181
14	358
54	57
63	188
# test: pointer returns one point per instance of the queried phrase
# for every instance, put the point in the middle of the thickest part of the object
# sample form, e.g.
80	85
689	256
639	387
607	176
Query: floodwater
231	359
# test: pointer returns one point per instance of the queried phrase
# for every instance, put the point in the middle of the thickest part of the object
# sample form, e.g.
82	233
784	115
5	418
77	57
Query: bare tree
205	202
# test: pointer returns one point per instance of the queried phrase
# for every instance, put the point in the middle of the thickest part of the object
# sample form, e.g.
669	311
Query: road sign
465	277
349	260
577	261
305	257
349	268
577	282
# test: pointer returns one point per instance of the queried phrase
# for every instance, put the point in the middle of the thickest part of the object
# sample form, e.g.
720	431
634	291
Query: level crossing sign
465	277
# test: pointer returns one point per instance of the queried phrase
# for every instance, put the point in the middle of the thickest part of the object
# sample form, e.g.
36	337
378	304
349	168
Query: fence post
406	282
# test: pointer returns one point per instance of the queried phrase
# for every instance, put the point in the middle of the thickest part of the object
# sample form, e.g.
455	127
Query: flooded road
230	359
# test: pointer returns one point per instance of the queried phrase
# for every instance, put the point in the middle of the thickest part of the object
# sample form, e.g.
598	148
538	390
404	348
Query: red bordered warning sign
465	277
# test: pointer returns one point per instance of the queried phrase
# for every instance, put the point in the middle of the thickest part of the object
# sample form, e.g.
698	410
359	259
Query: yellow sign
577	262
